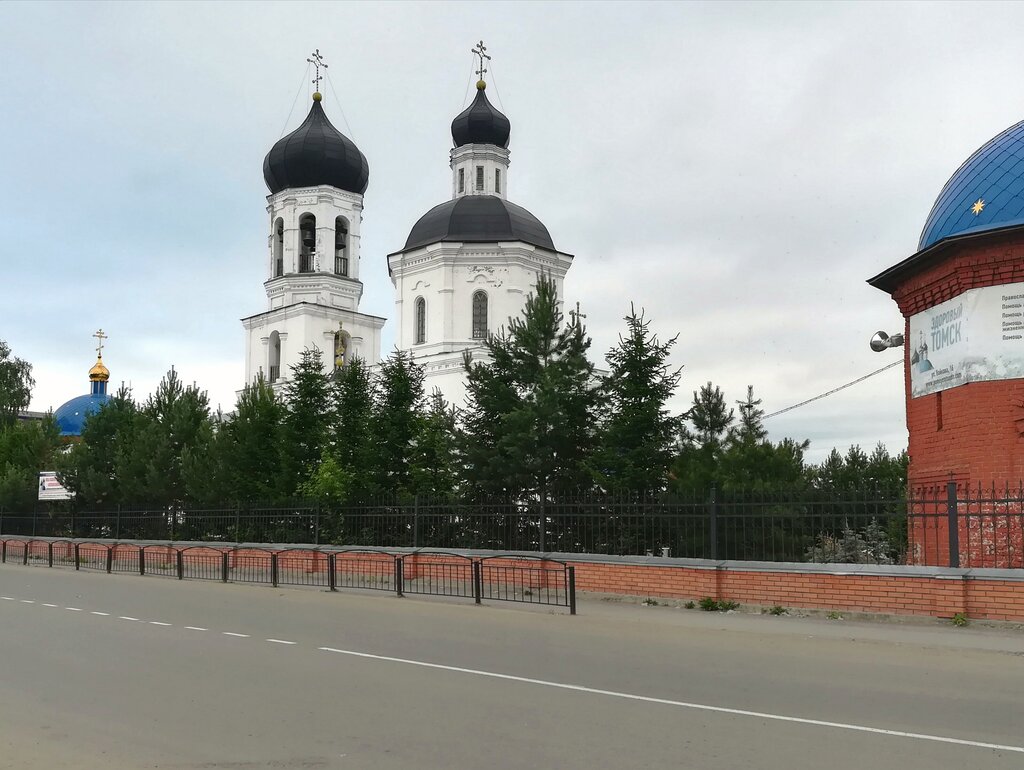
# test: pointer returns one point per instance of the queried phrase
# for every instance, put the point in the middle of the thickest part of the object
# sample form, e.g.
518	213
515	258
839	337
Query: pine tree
751	430
704	440
25	449
397	418
435	459
349	475
639	435
306	420
174	431
530	421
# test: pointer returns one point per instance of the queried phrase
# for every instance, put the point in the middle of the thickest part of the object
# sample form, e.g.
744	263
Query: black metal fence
516	578
944	525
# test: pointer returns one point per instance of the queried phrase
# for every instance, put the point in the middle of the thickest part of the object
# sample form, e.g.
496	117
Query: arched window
274	364
340	246
479	315
340	350
307	242
421	321
279	248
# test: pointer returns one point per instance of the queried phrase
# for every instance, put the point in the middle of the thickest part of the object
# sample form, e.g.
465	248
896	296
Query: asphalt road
145	672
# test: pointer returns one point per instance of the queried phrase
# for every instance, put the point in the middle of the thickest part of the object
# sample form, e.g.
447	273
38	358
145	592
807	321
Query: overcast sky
737	170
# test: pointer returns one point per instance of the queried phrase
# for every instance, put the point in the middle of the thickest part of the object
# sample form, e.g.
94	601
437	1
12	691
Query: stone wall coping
864	570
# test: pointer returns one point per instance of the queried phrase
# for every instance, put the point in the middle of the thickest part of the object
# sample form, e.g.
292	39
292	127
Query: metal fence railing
944	525
498	578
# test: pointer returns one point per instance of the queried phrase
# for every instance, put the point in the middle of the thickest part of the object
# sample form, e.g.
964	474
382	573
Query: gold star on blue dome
978	206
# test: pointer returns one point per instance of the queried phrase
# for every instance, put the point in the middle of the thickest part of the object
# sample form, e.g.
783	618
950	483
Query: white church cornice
311	196
300	309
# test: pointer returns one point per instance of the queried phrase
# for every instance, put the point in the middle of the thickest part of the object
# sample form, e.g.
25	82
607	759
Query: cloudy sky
737	170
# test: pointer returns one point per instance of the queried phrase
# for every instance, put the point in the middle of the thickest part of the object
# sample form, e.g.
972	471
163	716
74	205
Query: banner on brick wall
975	337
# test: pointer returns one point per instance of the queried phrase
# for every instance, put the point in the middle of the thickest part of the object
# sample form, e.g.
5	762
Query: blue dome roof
986	192
71	416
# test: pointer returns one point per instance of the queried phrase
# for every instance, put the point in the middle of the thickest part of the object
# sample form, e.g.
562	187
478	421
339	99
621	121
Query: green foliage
397	422
25	449
708	604
349	475
711	605
306	419
960	620
834	615
16	385
778	609
639	434
530	424
435	462
703	439
689	605
871	546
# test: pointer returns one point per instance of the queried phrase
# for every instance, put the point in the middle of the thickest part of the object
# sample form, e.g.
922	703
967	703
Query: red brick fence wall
996	594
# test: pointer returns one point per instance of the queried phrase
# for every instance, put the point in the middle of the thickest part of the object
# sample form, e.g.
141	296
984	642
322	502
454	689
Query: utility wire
330	82
835	390
295	101
472	71
494	80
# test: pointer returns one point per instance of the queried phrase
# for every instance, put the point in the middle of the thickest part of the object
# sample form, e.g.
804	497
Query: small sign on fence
50	488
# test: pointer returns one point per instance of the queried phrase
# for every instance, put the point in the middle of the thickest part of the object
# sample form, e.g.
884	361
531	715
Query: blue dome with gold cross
70	416
986	192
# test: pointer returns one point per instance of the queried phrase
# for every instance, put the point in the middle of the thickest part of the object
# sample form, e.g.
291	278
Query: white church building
466	267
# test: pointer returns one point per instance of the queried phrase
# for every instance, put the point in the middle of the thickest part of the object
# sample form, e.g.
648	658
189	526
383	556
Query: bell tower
316	176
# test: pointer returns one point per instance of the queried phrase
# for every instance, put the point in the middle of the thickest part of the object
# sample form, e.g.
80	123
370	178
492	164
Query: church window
479	315
421	321
307	242
480	177
340	246
462	180
497	180
279	248
274	364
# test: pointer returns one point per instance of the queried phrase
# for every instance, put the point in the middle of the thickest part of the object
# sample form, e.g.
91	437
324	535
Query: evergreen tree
397	419
751	430
174	432
435	458
704	440
244	462
25	449
639	434
306	420
530	421
16	385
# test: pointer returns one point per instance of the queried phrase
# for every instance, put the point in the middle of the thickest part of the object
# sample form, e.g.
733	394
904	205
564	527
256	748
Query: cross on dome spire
100	336
318	62
480	51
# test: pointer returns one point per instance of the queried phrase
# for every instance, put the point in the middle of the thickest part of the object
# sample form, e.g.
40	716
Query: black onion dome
316	153
481	123
478	219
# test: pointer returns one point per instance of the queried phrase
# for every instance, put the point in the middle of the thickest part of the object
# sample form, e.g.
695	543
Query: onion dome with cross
70	417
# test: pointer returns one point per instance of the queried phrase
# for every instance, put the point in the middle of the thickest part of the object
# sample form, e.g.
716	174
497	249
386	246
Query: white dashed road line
7	598
125	617
50	605
195	628
229	633
28	601
104	614
73	609
280	641
158	623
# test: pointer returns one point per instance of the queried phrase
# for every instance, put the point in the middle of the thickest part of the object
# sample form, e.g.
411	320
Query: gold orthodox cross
100	336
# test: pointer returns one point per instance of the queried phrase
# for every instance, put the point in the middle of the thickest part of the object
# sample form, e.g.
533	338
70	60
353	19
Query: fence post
3	552
78	560
953	524
224	567
238	524
416	521
1	520
117	522
24	556
49	554
332	579
572	589
316	524
399	576
713	525
142	560
180	563
110	559
273	569
477	583
543	522
174	515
